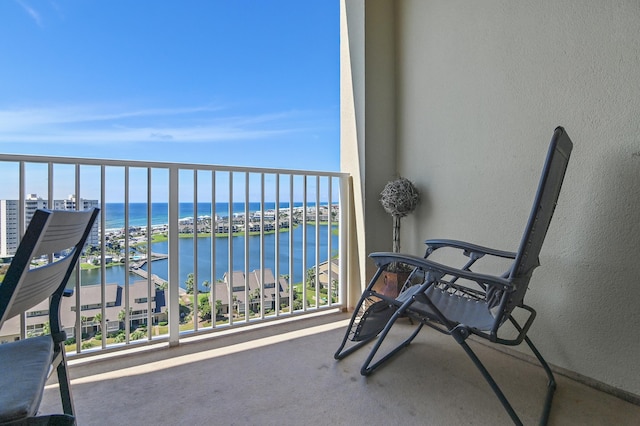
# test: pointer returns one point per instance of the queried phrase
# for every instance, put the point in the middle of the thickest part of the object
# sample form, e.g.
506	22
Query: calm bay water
138	217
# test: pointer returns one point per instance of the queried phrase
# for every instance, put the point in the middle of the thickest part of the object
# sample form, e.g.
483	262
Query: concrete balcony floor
285	374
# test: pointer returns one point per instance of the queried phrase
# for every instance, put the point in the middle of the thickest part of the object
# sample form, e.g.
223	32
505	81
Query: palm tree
97	318
189	283
83	324
122	315
255	300
235	305
218	307
311	277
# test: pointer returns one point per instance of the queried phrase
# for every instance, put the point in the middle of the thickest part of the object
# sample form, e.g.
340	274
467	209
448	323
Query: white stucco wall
368	128
479	88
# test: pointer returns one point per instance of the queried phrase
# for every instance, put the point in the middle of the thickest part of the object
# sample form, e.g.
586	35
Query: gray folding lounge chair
458	301
40	269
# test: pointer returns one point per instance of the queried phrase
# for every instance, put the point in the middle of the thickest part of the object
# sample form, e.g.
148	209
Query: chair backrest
543	207
59	234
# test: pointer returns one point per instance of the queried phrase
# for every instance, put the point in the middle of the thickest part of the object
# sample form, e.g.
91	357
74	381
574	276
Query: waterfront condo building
9	212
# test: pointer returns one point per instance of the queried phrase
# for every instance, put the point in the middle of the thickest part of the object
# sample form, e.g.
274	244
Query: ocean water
160	211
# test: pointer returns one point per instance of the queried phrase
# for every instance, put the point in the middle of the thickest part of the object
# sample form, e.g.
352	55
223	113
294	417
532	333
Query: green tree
189	283
204	307
236	305
311	277
255	300
297	301
98	318
92	250
218	307
83	324
185	312
137	335
122	315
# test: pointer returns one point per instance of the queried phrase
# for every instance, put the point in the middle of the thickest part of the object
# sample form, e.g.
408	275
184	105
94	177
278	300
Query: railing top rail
161	164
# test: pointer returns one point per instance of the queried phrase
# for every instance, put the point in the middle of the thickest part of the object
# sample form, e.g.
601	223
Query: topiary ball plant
399	198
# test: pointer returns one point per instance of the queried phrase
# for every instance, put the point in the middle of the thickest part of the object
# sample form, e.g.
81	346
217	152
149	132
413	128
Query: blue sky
242	82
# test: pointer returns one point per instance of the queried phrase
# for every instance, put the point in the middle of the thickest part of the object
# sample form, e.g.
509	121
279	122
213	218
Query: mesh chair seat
457	308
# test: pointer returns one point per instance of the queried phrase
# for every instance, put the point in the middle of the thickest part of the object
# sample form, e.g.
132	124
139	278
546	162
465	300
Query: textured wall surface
480	86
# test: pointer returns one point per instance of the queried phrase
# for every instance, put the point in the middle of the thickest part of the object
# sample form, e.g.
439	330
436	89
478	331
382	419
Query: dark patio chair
40	269
458	301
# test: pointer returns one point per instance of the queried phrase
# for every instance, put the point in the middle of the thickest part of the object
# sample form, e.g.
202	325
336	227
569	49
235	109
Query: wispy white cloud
31	12
95	125
19	118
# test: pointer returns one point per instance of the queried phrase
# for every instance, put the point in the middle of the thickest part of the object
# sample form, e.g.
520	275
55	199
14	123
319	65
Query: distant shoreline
138	212
158	234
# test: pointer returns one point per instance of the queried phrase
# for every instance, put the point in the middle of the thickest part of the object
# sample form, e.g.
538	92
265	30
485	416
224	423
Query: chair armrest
468	248
382	259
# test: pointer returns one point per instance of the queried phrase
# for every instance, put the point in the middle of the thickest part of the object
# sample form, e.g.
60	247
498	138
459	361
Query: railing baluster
103	250
261	275
230	281
151	287
276	265
291	243
196	280
343	241
22	226
247	295
127	265
174	276
304	242
329	234
214	225
317	243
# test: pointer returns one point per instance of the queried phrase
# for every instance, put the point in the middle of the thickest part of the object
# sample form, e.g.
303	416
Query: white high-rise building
31	204
70	204
8	227
9	209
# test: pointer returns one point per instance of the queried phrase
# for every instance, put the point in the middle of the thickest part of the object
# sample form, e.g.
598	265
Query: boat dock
136	268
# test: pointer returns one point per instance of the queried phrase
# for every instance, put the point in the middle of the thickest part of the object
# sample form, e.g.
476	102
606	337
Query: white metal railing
283	252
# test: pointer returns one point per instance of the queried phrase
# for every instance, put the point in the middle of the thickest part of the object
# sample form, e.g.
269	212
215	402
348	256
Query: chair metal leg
65	385
494	386
367	367
551	385
339	353
460	334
